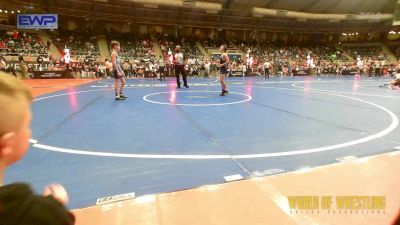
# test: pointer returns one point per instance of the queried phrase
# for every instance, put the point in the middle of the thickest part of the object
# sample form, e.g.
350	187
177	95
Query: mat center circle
196	98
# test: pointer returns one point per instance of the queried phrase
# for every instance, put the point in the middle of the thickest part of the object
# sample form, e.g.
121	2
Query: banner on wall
300	72
51	74
37	21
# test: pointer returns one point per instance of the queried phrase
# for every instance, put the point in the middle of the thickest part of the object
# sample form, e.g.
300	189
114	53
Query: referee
179	67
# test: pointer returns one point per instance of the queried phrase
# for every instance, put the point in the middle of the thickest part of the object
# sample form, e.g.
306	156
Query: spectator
377	68
18	204
20	58
3	65
207	67
127	68
102	70
161	68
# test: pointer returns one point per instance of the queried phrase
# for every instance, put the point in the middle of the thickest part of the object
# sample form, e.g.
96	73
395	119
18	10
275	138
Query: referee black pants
180	69
266	74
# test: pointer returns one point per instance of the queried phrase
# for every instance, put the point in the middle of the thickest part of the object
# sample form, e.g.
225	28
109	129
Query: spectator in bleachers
161	68
126	66
396	50
377	68
12	43
3	65
374	52
207	67
285	54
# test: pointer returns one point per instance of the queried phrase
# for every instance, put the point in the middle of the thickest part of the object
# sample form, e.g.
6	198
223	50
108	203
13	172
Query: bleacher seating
13	43
80	44
365	52
396	51
188	45
134	48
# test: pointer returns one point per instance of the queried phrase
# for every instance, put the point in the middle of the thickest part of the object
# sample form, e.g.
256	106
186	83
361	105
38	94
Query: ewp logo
37	21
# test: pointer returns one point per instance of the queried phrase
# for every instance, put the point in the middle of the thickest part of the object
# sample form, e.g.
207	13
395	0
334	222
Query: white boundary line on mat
387	130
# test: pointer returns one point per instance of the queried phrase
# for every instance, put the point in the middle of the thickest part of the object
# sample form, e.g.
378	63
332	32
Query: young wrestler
223	68
117	71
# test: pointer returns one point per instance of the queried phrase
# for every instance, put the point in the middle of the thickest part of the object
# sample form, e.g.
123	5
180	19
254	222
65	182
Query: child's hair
12	92
114	43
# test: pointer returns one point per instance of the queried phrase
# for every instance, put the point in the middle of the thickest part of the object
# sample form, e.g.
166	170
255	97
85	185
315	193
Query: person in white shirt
244	69
377	69
266	66
319	69
151	69
360	65
310	61
161	68
207	67
102	70
251	61
180	67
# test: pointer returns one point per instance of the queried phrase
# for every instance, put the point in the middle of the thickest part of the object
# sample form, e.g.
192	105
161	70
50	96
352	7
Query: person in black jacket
20	206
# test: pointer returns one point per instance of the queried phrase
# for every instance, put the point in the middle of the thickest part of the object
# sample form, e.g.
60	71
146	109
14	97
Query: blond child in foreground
15	132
